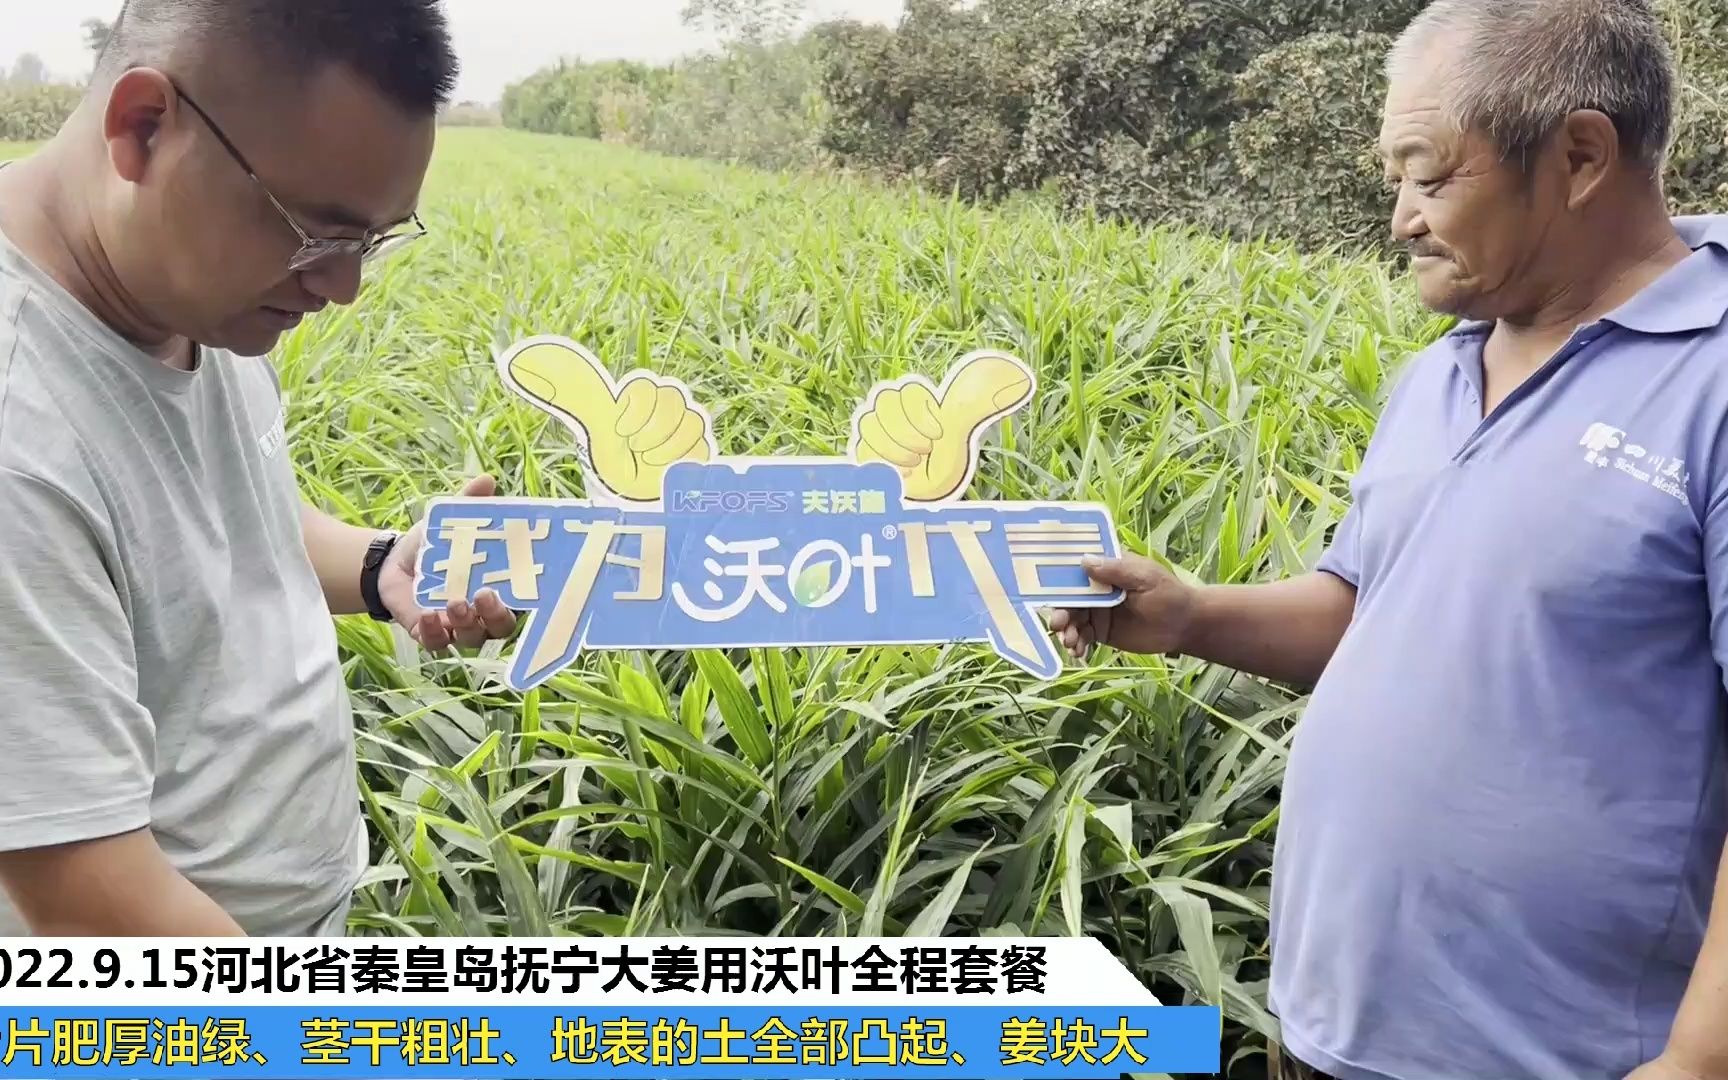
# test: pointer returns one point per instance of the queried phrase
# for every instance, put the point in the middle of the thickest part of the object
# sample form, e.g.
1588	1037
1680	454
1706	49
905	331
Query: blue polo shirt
1505	804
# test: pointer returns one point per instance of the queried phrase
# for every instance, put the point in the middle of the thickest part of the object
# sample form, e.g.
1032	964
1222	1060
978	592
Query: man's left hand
463	624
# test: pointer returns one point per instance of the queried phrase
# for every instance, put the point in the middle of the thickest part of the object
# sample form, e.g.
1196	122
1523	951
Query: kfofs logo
732	502
1598	440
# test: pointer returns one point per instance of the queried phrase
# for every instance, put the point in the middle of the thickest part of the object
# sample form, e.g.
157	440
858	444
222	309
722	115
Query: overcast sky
499	41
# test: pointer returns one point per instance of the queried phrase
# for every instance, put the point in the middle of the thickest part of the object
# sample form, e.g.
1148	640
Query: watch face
376	551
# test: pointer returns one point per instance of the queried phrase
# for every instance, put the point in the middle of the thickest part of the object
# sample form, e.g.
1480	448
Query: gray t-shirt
166	655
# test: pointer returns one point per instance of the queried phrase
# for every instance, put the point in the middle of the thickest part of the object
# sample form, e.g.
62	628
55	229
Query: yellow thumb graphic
985	389
932	437
568	384
633	432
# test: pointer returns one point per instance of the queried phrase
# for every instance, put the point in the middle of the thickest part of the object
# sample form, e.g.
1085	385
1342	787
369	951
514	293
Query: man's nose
334	279
1406	219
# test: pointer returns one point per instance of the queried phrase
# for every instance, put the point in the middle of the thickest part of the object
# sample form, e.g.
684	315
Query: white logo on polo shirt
1598	439
1666	474
275	435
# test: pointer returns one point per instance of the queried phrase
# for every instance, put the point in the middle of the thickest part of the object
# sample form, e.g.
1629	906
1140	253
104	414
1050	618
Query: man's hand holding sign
337	547
462	624
1284	630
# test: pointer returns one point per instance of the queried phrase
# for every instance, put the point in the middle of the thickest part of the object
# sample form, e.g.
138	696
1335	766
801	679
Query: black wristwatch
376	553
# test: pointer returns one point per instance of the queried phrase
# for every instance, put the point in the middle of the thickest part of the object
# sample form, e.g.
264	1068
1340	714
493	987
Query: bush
1141	107
864	118
1305	144
565	100
32	113
1697	176
753	104
470	114
943	101
1130	106
1126	107
622	114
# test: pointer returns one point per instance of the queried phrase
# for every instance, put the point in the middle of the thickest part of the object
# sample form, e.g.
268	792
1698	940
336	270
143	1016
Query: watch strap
376	553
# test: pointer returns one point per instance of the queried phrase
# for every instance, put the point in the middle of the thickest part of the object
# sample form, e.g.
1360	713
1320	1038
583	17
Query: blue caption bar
517	1041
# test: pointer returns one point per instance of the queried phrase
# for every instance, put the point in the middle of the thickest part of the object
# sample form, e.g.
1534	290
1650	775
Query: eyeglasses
315	249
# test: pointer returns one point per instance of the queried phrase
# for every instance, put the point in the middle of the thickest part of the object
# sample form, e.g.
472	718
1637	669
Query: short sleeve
1343	556
1716	577
79	748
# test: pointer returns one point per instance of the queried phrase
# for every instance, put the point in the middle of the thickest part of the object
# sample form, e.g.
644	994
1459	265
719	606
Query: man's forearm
118	887
1699	1040
175	909
1285	630
337	550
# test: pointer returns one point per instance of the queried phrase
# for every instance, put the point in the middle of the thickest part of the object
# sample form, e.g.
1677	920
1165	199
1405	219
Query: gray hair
1523	65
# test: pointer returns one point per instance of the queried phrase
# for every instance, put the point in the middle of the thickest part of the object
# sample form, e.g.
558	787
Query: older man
178	751
1505	810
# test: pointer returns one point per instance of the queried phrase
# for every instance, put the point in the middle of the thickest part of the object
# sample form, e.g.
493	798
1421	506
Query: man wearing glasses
178	751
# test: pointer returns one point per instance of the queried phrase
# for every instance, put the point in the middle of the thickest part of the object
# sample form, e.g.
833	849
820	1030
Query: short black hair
401	46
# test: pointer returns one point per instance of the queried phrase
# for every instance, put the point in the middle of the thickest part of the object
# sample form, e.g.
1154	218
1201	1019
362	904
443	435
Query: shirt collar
1692	295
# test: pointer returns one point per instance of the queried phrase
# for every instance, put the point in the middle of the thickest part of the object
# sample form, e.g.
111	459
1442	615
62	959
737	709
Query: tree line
1247	119
33	102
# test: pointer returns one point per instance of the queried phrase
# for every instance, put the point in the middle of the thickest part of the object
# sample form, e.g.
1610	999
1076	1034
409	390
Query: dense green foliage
755	104
1698	174
1246	119
29	113
1216	397
1135	104
566	99
1317	96
469	114
943	100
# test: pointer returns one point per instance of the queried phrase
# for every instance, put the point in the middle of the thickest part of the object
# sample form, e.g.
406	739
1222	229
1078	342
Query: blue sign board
679	550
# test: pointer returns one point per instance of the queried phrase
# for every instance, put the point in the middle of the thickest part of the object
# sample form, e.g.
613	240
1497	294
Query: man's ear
1592	149
139	101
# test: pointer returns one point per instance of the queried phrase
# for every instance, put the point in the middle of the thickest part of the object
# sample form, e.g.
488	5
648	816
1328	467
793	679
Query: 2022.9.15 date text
60	969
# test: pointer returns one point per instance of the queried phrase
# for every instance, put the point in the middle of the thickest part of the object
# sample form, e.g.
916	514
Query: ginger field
1216	397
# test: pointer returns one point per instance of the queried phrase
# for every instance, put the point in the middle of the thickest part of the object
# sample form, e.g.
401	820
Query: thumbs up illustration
634	431
932	436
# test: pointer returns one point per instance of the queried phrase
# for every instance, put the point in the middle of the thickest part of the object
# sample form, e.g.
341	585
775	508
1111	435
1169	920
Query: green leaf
1073	849
841	895
693	705
774	683
522	905
738	709
1119	819
813	583
934	918
1194	927
638	690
